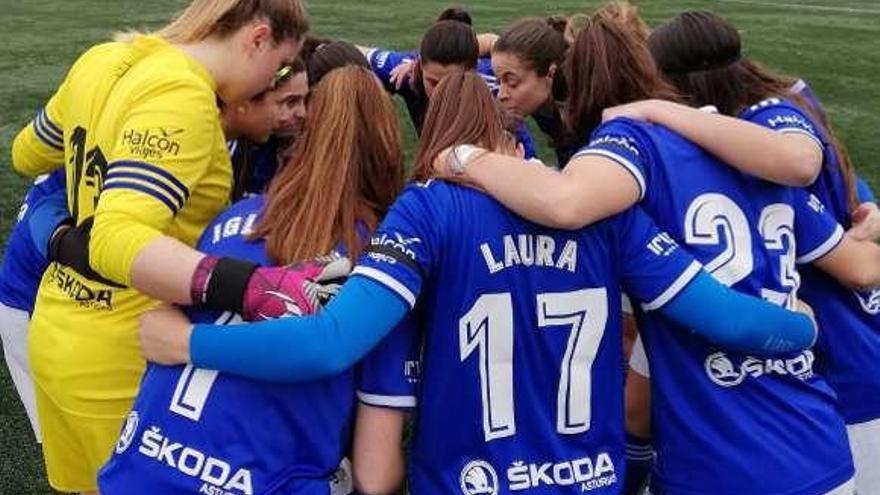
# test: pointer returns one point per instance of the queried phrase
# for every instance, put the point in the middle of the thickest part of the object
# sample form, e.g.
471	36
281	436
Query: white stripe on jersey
680	283
388	281
824	249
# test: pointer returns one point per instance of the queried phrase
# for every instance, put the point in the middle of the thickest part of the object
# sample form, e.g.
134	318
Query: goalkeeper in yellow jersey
136	125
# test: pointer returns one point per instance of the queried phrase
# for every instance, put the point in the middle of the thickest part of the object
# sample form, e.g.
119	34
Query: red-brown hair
462	111
346	169
609	64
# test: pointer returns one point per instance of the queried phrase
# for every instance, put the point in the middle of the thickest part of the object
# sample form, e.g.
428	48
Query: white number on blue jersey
194	384
489	326
776	224
712	213
708	218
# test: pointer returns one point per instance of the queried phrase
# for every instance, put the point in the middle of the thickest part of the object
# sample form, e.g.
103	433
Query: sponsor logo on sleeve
623	142
662	244
152	143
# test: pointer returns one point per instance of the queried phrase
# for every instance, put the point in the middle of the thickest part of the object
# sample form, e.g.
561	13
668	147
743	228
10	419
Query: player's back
726	419
849	343
199	431
521	386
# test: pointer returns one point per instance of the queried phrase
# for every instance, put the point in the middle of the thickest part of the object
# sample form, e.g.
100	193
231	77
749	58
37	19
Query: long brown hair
609	64
462	111
346	169
701	54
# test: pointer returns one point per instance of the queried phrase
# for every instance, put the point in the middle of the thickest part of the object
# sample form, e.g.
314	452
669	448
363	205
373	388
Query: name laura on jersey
588	473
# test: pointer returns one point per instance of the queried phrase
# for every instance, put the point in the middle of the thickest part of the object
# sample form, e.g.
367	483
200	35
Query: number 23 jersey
727	423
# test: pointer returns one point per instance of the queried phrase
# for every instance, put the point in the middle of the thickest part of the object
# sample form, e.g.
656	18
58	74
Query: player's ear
259	37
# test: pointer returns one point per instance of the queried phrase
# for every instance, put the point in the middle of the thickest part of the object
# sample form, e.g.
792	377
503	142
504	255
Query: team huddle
226	281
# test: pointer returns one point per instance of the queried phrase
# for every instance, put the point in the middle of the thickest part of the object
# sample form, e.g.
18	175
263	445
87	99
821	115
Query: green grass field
831	43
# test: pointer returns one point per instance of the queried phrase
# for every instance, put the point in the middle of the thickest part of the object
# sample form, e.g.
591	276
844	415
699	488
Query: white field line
824	8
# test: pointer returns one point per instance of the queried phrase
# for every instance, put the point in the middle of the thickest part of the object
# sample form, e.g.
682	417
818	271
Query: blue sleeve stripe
680	283
628	165
395	401
51	124
134	174
45	139
172	180
823	249
48	127
388	281
134	186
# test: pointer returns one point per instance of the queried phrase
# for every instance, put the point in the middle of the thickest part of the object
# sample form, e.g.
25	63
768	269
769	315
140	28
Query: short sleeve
403	250
783	117
655	267
39	147
816	231
617	140
389	375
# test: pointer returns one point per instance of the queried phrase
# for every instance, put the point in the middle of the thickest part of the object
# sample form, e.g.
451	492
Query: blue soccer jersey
723	422
521	389
199	431
849	343
23	265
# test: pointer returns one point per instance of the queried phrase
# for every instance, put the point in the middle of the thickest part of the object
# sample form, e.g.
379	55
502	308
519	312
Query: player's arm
667	279
788	158
639	451
487	41
377	450
866	217
39	147
381	291
822	242
853	263
588	189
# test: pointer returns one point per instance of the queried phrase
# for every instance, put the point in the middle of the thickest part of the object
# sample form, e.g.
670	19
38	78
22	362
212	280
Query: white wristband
461	155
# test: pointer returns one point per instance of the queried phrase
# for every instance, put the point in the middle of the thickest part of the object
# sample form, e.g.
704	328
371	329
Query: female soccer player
256	158
527	59
137	125
25	258
347	173
495	405
701	54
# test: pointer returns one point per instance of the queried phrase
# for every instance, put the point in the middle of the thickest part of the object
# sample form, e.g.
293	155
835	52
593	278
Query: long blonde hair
346	169
206	18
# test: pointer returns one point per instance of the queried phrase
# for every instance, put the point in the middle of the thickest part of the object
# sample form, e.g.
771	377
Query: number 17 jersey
521	390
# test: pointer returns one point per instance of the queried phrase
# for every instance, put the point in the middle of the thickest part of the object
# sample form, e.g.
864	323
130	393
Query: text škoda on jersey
587	473
218	477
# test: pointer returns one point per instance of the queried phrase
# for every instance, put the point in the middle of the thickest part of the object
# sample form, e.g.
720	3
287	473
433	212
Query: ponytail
207	18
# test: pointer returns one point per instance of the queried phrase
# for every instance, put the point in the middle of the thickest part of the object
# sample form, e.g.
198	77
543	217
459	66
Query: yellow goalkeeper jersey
137	127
